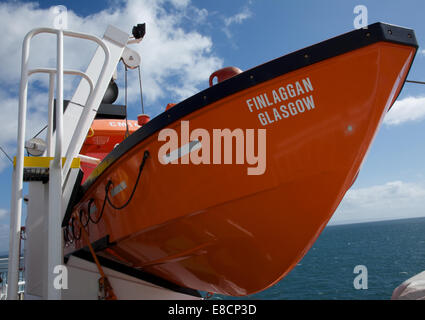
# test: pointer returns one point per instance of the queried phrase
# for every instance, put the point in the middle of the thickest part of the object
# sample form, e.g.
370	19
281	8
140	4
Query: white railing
3	289
3	279
52	73
57	174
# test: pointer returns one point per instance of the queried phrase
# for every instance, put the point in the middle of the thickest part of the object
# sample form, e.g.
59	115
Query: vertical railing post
50	115
54	243
18	181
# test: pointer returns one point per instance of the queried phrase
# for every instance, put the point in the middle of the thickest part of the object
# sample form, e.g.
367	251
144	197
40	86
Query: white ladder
71	130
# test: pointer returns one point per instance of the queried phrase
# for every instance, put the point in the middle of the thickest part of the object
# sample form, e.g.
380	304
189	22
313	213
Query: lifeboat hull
216	228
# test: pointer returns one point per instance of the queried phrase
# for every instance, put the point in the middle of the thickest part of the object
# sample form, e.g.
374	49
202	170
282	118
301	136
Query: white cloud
236	19
407	109
3	213
180	3
9	115
239	17
393	200
167	50
176	59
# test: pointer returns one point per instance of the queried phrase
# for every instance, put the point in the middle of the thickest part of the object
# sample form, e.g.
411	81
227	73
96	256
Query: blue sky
187	40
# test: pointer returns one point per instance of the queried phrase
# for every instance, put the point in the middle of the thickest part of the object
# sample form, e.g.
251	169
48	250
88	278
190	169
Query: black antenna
413	81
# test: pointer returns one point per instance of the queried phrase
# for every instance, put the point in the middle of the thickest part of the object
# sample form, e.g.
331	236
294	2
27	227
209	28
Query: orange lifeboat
104	135
305	120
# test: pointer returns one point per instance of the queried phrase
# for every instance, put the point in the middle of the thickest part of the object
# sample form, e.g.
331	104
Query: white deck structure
47	202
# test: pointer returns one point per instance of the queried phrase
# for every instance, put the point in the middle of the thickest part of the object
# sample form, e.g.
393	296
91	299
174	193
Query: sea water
390	251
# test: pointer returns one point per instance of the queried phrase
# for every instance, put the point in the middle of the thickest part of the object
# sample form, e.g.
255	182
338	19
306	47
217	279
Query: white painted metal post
13	265
54	243
50	115
18	175
84	122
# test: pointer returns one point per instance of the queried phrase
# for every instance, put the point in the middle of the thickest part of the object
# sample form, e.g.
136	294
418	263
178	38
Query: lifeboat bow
203	221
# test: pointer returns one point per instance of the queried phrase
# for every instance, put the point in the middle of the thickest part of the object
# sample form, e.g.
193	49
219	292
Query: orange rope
104	283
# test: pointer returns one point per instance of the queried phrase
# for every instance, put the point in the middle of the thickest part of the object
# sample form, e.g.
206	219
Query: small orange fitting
142	119
224	74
